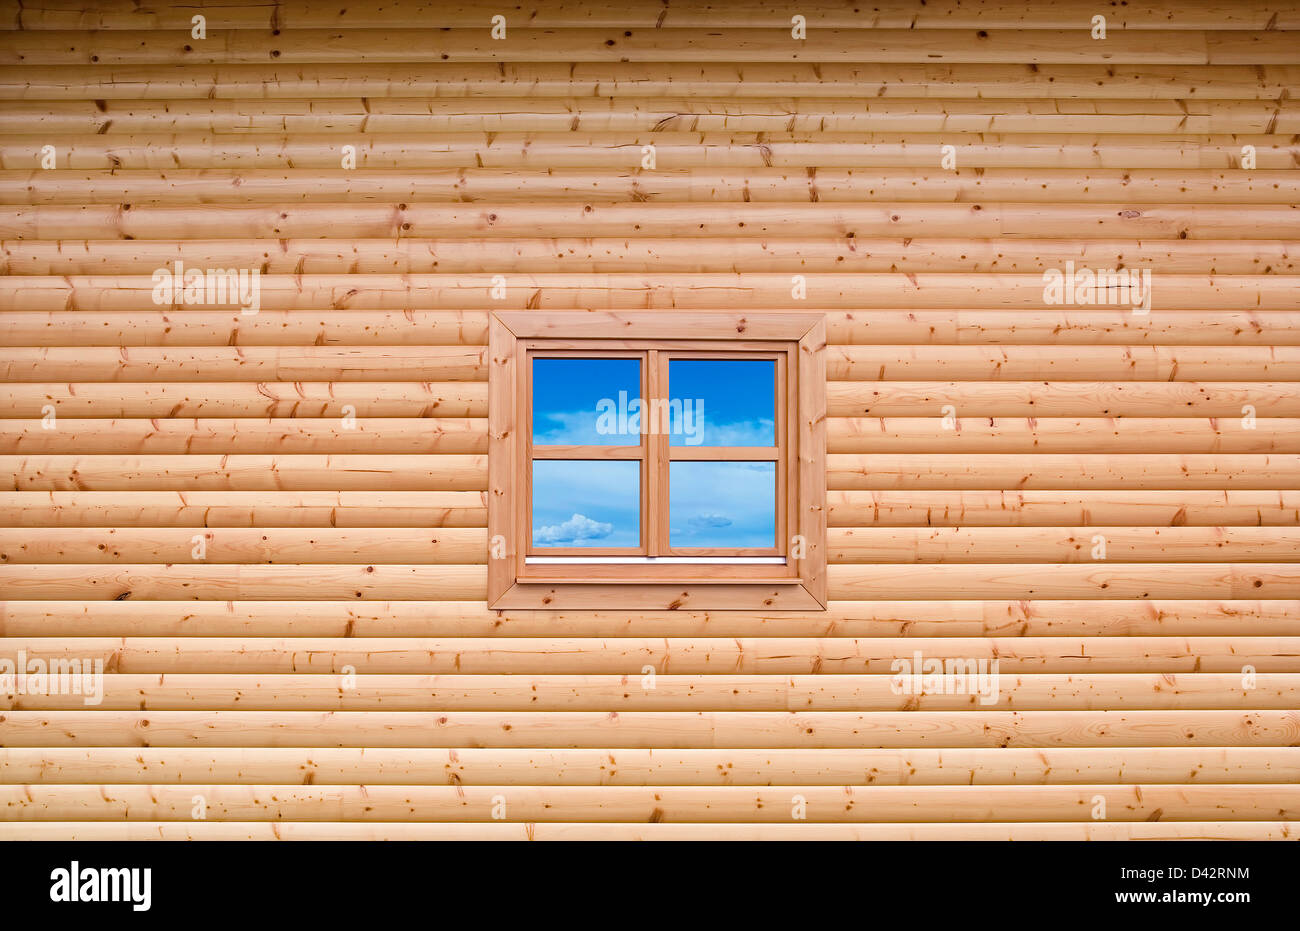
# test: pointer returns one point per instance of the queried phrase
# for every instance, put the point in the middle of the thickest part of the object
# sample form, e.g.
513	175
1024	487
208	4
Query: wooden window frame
798	584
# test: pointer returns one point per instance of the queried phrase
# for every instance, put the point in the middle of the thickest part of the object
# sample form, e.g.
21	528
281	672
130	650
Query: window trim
514	583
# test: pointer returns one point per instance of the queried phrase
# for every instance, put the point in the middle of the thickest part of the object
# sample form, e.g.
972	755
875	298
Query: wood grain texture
270	530
913	14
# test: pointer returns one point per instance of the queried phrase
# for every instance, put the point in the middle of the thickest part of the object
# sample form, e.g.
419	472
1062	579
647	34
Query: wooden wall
333	547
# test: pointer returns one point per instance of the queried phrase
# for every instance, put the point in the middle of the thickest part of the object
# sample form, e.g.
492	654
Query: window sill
694	595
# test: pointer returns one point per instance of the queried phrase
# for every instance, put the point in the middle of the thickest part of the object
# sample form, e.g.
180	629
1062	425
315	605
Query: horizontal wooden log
674	151
1094	327
243	509
1042	472
346	433
653	729
831	185
545	692
656	804
1062	363
1057	580
605	294
1024	509
587	831
291	472
1057	399
252	363
484	766
1241	434
241	546
658	254
614	44
860	545
287	582
883	582
860	619
1148	222
265	399
630	655
902	14
653	114
638	79
183	327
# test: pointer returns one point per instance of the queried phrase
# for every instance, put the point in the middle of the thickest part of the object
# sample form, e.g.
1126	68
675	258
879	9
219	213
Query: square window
722	506
566	399
671	465
722	402
586	504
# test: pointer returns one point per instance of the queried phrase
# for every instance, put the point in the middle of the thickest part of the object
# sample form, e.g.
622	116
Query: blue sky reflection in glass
723	402
569	396
722	505
581	503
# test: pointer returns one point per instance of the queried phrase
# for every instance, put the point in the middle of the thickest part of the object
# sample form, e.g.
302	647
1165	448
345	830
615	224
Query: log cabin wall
270	526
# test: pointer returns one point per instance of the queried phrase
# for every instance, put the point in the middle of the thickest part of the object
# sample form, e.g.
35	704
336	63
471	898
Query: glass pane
586	402
722	504
586	503
722	402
